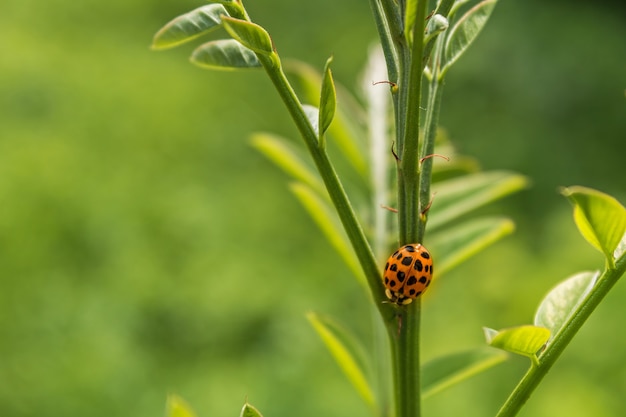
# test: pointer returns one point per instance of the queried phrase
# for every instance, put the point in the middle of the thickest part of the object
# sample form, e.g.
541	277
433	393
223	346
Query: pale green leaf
288	158
189	26
522	340
251	35
347	129
327	220
458	196
177	407
249	411
224	54
345	351
465	31
449	370
600	218
455	245
561	302
328	100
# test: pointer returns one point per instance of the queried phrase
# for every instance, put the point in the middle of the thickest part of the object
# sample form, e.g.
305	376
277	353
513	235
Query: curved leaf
326	219
451	247
600	218
449	370
522	340
189	26
562	301
465	31
249	411
459	196
328	100
345	351
177	407
224	54
251	35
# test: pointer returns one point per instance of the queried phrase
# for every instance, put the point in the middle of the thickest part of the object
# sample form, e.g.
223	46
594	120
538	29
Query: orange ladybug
408	273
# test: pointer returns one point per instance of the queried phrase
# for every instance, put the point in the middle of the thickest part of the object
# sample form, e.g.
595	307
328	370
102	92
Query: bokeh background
146	248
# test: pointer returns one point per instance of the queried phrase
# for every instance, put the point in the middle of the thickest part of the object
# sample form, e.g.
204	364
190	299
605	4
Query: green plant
434	190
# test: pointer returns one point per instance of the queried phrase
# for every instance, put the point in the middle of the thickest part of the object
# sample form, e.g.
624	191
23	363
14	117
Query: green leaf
347	129
458	196
251	35
600	218
287	157
453	246
465	31
249	411
522	340
346	352
327	220
189	26
562	301
177	407
449	370
224	54
328	100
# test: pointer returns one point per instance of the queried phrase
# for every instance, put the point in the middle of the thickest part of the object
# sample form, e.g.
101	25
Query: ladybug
408	273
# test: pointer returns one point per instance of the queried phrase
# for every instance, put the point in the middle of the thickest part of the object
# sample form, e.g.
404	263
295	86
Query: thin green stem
405	341
536	373
329	177
408	144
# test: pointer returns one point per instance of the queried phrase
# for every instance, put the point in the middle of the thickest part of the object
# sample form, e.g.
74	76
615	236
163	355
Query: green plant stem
329	177
405	345
535	374
410	89
435	94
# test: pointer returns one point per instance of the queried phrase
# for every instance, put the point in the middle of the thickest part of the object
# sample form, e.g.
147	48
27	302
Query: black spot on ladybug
418	265
411	281
400	276
393	267
423	280
428	283
392	283
412	292
426	268
407	261
387	266
425	255
386	280
431	270
418	294
409	248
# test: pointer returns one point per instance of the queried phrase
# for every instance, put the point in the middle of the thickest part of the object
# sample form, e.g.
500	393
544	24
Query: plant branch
535	374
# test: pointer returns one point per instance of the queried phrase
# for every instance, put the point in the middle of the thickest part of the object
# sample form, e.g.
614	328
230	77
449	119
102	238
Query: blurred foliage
146	248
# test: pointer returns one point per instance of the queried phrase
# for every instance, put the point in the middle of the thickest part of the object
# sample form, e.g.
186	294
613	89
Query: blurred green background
146	248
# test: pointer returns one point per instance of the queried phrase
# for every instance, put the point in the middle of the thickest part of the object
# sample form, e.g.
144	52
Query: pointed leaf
562	301
328	100
452	247
465	31
251	35
449	370
189	26
347	129
343	348
249	411
287	157
600	218
177	407
522	340
225	54
326	219
459	196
